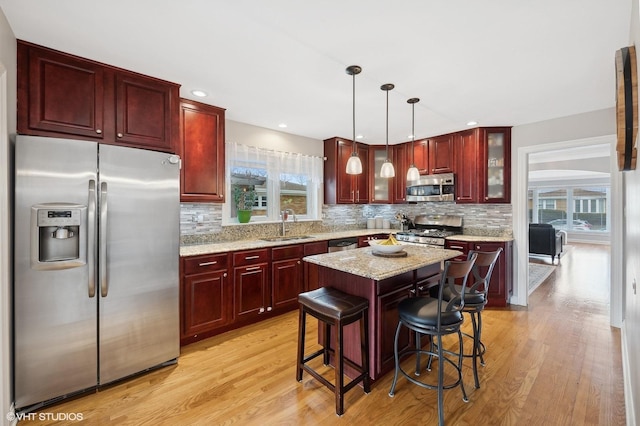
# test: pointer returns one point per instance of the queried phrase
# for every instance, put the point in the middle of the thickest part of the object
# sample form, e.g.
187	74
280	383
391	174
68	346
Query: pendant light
413	173
387	170
354	165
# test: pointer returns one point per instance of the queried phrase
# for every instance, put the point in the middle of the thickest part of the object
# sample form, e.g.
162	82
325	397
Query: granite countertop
473	238
364	263
225	246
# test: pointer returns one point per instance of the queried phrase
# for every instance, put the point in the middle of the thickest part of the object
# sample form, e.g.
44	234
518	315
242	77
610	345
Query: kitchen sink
289	238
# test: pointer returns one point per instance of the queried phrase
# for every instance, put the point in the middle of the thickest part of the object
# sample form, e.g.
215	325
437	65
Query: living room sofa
545	239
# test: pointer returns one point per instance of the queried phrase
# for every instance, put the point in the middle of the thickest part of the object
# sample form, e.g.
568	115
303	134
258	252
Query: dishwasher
343	244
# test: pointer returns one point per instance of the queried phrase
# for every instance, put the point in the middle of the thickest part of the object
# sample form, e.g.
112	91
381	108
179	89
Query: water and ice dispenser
58	236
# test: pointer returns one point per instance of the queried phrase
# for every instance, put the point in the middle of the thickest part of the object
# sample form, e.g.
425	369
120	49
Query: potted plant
245	198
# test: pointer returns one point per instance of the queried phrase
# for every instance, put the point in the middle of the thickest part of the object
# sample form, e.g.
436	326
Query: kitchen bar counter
384	282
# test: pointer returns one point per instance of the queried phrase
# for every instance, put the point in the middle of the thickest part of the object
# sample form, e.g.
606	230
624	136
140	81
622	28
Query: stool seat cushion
423	311
333	303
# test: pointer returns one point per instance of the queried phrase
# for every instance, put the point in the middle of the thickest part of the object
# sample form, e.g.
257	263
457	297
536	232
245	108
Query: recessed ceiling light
282	125
199	93
359	137
472	123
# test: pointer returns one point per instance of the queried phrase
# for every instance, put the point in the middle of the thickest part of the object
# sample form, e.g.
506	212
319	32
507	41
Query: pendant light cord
354	112
387	125
413	133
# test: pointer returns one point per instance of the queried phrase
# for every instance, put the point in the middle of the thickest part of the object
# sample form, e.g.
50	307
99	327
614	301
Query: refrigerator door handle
102	266
91	238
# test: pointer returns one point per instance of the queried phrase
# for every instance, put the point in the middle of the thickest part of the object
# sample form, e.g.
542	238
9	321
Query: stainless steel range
432	230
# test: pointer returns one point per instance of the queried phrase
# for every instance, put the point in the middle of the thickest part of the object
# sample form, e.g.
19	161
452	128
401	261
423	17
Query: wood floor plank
556	362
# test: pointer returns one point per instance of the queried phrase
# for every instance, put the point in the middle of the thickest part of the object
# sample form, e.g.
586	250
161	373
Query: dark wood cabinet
421	155
339	187
381	189
207	295
251	284
483	165
401	161
202	152
387	324
466	171
287	276
501	284
146	112
220	292
495	166
61	95
311	269
441	154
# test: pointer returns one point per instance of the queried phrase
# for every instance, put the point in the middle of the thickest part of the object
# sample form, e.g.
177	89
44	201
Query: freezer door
55	348
139	244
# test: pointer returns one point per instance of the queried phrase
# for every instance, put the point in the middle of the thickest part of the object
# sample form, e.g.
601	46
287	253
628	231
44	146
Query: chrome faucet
284	215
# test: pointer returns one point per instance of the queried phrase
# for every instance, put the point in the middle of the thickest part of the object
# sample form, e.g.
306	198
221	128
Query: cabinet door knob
224	275
261	311
98	131
119	135
269	308
299	262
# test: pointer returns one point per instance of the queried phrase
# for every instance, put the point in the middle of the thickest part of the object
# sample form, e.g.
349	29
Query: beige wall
7	127
270	139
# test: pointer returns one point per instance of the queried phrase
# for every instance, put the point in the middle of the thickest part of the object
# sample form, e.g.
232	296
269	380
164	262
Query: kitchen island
384	281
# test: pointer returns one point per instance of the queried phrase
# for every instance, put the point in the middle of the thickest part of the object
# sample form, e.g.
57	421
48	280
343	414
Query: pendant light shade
387	170
413	173
354	165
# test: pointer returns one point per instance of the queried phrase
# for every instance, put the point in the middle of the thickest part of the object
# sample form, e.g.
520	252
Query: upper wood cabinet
420	155
381	189
339	187
146	112
202	152
495	148
483	165
466	171
62	95
441	154
401	160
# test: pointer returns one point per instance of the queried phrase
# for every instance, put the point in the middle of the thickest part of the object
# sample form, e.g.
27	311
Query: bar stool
337	309
475	299
435	317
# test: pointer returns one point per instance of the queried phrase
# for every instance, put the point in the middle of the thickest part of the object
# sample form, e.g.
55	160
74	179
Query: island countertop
364	263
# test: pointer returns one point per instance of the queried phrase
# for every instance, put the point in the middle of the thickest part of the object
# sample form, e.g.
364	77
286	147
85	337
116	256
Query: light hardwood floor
556	362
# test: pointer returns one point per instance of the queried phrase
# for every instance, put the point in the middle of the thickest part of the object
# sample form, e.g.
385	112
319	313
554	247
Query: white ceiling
499	62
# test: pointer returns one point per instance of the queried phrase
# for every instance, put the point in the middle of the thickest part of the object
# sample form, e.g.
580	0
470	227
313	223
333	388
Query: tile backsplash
201	223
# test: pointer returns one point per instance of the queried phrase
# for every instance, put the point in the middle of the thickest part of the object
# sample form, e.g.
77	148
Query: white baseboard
629	400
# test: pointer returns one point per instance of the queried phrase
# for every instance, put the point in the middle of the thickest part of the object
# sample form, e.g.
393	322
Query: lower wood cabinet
286	276
207	295
220	292
251	283
311	281
501	284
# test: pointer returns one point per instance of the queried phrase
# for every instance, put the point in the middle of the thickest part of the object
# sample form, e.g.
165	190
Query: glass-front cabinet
496	144
380	187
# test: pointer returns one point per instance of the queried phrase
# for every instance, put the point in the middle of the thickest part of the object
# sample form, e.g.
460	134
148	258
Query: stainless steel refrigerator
96	265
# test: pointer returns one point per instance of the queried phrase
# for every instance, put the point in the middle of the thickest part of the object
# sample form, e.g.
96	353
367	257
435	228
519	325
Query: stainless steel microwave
438	187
